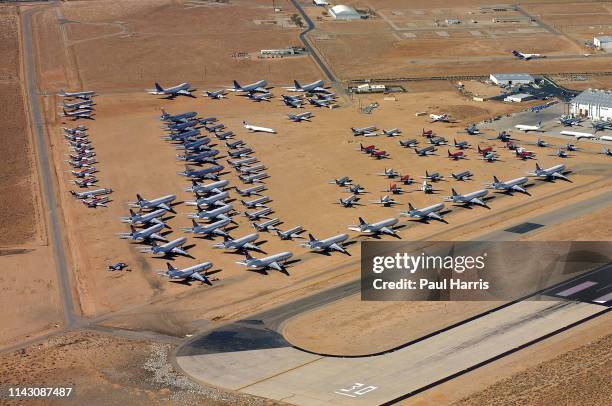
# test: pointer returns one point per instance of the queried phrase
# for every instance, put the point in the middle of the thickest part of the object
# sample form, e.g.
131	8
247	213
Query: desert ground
119	48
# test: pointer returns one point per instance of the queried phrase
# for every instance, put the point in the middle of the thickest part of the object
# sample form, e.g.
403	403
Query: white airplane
267	225
527	128
86	94
514	185
219	94
170	248
218	213
552	173
524	56
329	244
424	214
385	201
254	128
381	227
142	219
470	198
161	202
364	131
314	87
76	114
150	233
242	243
275	261
258	202
439	117
192	272
305	116
214	187
259	86
208	230
291	233
578	135
183	89
392	132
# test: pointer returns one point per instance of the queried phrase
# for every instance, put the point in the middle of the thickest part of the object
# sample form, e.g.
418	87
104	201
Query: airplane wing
275	265
386	230
477	201
250	246
164	206
180	251
337	247
201	278
434	216
559	176
157	237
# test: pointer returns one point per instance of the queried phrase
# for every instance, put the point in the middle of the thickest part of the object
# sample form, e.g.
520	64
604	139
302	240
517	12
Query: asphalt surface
50	202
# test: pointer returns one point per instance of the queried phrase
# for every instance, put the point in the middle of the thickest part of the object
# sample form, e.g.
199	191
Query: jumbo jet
208	230
214	214
329	244
183	89
550	174
163	202
146	234
214	187
424	214
254	128
190	273
259	86
170	248
380	227
364	131
526	128
314	87
219	94
239	244
154	217
275	261
470	198
305	116
524	56
514	185
87	94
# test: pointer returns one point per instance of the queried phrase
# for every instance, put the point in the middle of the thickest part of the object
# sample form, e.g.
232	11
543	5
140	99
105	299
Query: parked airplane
514	185
437	141
258	214
163	202
314	87
275	261
579	135
146	234
239	244
426	188
389	173
368	149
356	189
258	202
234	144
293	232
424	214
85	182
456	155
408	143
472	129
606	151
214	187
434	176
439	117
257	177
489	157
183	89
190	273
428	150
259	97
526	128
208	230
267	225
96	201
176	117
306	116
86	94
84	172
569	121
259	86
394	189
541	143
523	154
380	227
294	102
170	248
349	201
214	214
571	147
254	128
83	104
155	217
225	135
561	153
329	103
241	162
219	94
385	201
242	152
251	169
601	125
78	130
485	150
364	131
461	144
465	175
406	179
212	200
470	198
254	190
91	193
76	114
550	174
210	172
427	134
343	181
204	157
524	56
392	132
329	244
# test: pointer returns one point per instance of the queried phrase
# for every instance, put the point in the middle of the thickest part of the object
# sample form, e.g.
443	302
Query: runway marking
576	288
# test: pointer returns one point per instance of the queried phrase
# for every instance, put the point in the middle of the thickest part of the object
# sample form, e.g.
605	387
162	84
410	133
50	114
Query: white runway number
355	390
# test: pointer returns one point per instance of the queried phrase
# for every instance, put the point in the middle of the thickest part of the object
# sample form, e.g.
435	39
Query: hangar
604	42
594	104
341	12
509	79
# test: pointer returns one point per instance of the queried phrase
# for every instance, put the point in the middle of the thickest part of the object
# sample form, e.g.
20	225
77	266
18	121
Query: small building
604	42
369	88
509	79
594	104
518	97
341	12
282	51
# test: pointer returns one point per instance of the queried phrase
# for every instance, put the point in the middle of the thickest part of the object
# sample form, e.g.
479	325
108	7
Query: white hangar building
594	104
341	12
509	79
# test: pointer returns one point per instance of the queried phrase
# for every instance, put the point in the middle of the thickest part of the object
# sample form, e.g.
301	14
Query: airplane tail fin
537	167
454	192
194	223
237	85
170	267
449	154
158	87
362	222
132	228
539	124
495	179
62	92
226	238
139	197
247	255
311	237
410	206
296	85
132	214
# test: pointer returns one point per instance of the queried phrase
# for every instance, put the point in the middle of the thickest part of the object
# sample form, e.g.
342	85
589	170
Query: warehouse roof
344	11
594	96
512	76
605	38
